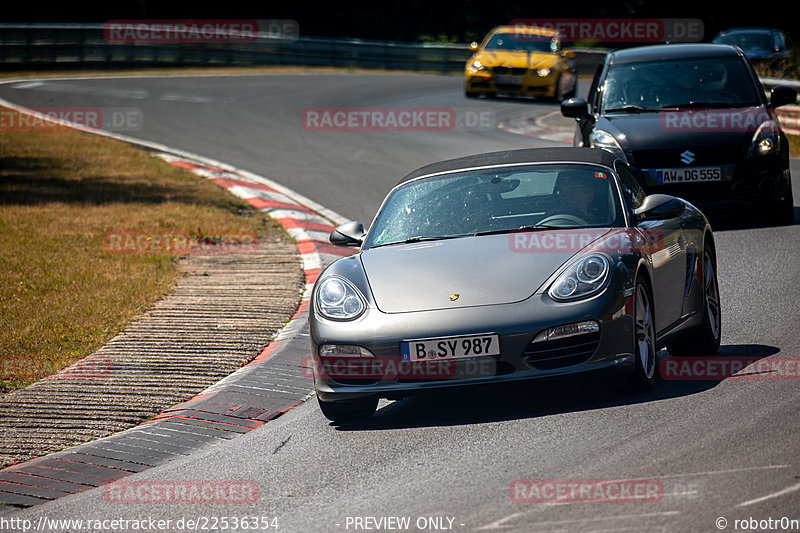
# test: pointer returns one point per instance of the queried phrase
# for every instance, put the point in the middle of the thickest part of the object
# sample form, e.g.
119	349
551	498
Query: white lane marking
297	215
185	98
498	524
27	85
718	472
787	490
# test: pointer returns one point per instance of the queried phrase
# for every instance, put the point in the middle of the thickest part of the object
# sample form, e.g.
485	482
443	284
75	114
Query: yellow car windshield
523	42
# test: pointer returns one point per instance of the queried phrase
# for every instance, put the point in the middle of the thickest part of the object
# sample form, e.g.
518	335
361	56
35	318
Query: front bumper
610	350
745	187
525	85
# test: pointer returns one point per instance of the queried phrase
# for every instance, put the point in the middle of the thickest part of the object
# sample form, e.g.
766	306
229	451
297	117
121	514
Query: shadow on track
533	399
725	222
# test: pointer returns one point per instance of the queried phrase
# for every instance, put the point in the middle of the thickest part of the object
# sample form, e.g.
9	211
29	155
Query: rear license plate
689	175
450	347
510	80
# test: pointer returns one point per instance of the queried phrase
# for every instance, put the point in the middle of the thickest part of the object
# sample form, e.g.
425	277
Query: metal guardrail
30	46
790	118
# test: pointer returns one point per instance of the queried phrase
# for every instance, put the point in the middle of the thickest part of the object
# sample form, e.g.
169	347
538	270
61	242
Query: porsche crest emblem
454	296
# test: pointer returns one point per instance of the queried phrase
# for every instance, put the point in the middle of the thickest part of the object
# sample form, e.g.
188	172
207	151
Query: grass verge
794	145
65	290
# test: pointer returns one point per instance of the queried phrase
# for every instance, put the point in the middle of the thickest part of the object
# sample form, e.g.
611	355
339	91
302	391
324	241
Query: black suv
694	121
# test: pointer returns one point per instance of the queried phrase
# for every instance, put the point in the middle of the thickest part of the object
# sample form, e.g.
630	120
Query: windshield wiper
420	238
521	228
694	105
632	109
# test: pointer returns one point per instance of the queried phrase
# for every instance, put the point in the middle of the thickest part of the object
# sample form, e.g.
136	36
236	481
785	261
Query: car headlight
605	141
583	278
766	140
337	298
543	72
477	66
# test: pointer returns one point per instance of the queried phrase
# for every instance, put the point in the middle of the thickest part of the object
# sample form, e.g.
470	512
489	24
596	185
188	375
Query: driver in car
582	196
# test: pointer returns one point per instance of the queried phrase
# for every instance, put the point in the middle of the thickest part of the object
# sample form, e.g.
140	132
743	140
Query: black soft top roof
510	157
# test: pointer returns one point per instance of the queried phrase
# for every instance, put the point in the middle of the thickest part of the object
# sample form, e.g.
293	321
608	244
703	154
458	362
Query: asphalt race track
719	449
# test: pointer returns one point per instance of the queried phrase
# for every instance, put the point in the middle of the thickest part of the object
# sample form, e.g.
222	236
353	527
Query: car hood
510	58
672	129
484	270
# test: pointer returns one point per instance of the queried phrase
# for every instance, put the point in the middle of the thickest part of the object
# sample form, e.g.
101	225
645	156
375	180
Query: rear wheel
348	411
644	338
705	338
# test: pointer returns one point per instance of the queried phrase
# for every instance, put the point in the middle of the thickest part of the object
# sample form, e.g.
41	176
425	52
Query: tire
559	95
786	214
571	92
645	375
786	209
470	94
705	338
348	411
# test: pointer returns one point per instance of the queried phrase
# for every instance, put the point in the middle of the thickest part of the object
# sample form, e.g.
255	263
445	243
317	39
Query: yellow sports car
521	60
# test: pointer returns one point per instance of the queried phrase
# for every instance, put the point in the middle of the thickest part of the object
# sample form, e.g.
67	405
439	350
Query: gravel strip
223	311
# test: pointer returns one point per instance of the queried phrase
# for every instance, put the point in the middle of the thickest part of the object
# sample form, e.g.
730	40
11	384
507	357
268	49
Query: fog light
343	350
567	330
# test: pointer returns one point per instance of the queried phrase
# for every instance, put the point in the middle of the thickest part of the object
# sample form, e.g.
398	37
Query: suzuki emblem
687	157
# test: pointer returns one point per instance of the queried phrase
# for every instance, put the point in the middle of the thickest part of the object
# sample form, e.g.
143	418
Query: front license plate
689	175
510	80
450	347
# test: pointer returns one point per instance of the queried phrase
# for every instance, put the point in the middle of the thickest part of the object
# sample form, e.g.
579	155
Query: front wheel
644	338
348	411
786	209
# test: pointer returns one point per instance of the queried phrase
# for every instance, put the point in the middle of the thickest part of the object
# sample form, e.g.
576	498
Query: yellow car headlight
477	66
543	72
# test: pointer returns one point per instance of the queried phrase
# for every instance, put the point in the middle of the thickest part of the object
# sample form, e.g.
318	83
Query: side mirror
575	108
473	46
659	207
782	95
348	234
569	54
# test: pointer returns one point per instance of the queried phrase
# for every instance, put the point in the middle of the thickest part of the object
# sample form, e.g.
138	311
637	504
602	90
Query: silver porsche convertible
511	266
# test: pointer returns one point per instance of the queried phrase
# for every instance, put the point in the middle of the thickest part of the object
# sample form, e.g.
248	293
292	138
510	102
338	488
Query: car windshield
498	200
704	82
747	40
522	42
